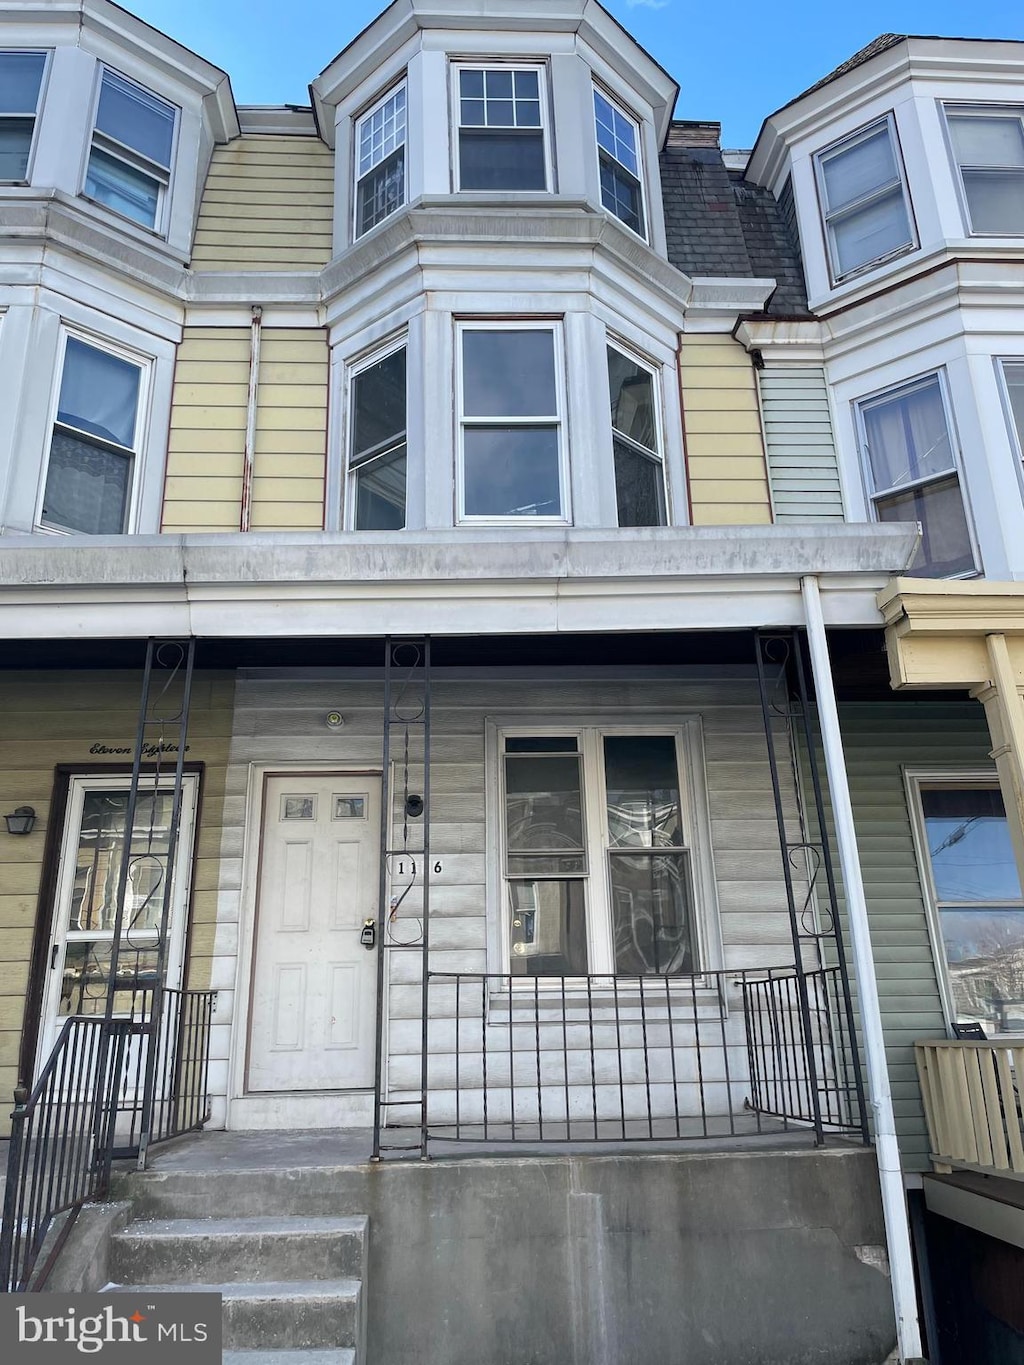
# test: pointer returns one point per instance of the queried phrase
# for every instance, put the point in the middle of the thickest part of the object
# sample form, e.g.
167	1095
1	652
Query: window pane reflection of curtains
864	201
989	149
910	459
90	466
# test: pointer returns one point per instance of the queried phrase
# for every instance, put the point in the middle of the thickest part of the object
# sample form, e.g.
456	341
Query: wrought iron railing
89	1106
625	1058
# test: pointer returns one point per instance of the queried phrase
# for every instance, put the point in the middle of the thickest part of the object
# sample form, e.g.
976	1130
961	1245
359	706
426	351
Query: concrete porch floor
298	1149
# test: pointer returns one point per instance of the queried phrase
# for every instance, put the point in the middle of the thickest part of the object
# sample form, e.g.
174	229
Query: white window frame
639	177
47	55
828	217
145	365
1016	433
559	419
981	111
873	495
358	176
162	176
547	136
613	343
916	779
353	369
589	732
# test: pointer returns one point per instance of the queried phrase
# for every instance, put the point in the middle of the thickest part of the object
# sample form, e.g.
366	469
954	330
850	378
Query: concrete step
281	1315
232	1250
302	1192
344	1356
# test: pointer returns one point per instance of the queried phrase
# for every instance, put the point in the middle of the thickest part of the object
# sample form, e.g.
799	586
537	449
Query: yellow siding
268	205
288	477
726	469
206	448
50	718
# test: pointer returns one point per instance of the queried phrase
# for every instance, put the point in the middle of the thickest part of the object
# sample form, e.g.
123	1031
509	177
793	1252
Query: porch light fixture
21	821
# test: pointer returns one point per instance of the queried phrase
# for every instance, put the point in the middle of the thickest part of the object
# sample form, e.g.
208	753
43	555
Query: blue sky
734	62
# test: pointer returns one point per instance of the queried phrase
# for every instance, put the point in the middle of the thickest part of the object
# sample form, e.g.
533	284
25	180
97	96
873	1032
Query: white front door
314	983
92	847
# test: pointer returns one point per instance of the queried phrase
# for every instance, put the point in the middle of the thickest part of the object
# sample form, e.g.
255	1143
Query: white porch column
894	1203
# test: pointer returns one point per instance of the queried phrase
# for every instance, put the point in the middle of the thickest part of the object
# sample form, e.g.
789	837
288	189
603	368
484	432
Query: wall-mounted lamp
21	821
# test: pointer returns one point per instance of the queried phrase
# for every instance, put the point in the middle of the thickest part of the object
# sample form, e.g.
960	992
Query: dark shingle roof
716	224
882	43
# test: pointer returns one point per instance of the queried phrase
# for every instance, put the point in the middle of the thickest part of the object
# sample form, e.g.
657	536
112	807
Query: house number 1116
436	868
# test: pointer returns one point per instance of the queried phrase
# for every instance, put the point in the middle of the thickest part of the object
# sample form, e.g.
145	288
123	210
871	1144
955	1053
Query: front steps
292	1287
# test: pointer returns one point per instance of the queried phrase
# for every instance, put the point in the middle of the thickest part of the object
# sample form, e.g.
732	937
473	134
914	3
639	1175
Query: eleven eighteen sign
165	1329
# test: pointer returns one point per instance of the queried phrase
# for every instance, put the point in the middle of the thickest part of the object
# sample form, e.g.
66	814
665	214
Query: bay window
21	79
636	442
619	164
864	200
380	161
94	445
970	874
130	160
1013	387
597	853
500	119
912	473
988	148
377	443
512	440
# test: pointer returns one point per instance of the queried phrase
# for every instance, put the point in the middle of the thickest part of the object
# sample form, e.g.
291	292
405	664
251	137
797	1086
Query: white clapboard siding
799	443
280	719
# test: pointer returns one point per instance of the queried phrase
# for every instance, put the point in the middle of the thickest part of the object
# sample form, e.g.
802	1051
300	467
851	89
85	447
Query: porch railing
971	1090
602	1058
89	1106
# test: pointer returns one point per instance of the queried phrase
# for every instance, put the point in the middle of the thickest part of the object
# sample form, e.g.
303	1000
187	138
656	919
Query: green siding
799	444
881	740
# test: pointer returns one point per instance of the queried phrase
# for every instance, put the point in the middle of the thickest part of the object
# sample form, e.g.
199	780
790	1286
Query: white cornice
783	340
440	582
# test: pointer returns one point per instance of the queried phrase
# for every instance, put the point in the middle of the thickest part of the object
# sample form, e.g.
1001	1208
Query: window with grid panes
21	79
501	128
380	161
618	155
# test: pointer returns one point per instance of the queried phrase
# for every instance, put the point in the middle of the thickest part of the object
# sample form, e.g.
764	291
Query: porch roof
513	581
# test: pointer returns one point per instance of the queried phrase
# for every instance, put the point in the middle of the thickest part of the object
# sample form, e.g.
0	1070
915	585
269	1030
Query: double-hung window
864	199
1013	385
377	443
971	876
597	853
501	128
380	161
95	442
511	400
132	144
988	148
912	473
21	79
619	163
636	442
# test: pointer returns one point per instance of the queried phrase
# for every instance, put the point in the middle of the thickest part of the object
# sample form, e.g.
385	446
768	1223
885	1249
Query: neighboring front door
314	983
92	847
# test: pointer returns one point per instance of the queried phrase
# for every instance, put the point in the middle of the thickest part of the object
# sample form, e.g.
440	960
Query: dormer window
501	128
988	147
380	161
864	199
21	79
130	161
618	155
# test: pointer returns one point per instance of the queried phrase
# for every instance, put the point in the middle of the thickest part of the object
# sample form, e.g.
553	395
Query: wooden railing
972	1101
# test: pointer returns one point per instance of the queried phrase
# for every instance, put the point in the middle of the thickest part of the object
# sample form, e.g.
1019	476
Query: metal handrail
88	1106
607	1058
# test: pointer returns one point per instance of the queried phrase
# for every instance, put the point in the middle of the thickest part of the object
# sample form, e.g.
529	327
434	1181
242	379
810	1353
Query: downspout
245	515
890	1175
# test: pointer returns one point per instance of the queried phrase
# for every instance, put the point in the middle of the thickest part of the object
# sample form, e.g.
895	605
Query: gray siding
280	718
882	739
800	447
